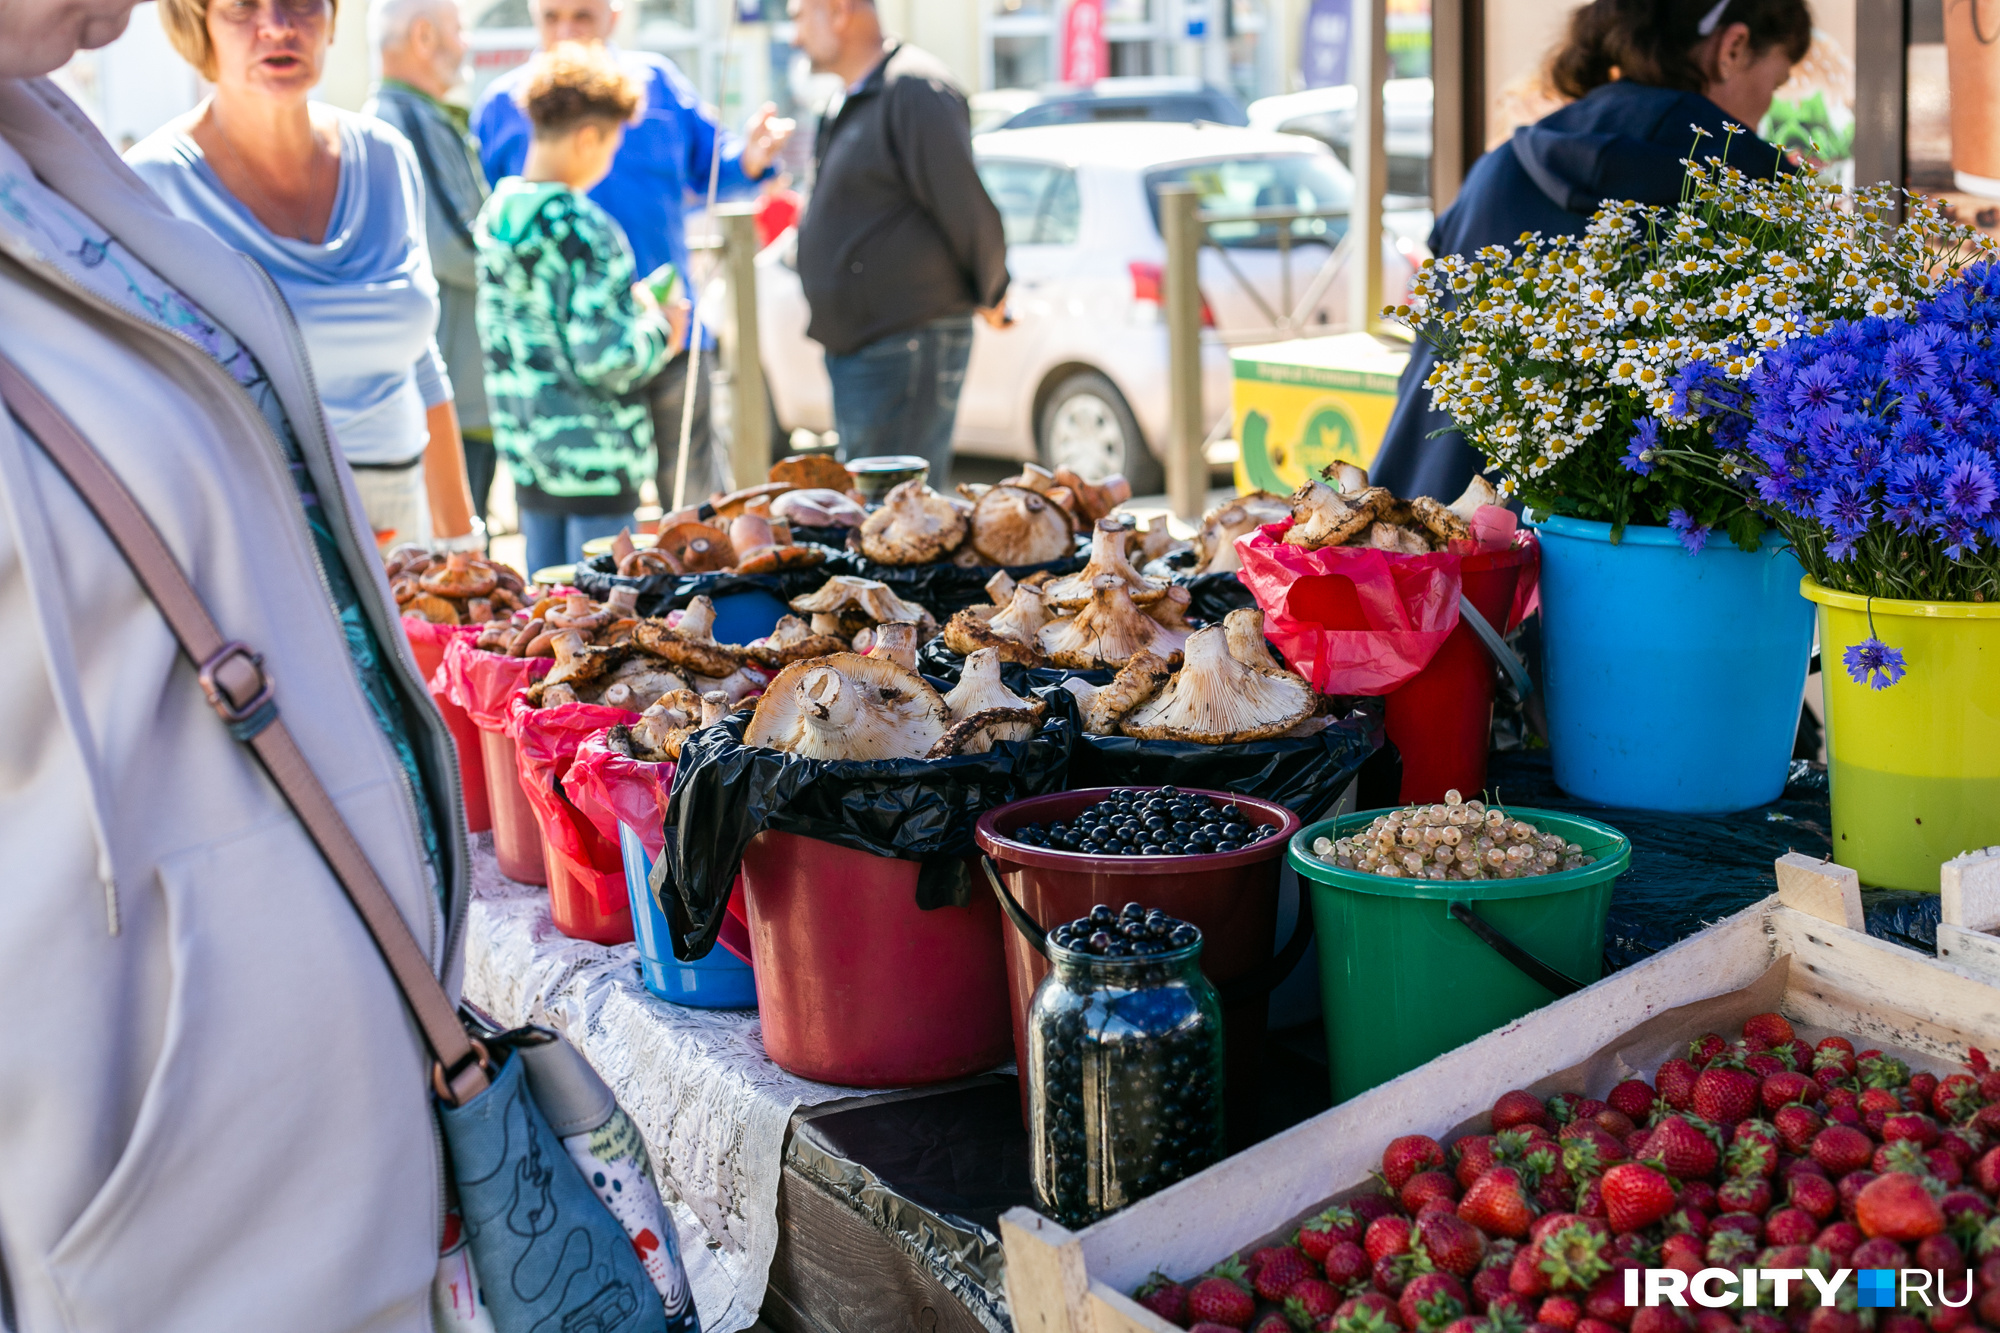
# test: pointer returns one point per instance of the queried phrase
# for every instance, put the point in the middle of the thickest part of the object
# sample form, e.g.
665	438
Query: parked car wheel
1086	426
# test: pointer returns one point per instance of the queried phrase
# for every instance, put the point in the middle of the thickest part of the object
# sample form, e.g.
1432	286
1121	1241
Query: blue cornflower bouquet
1567	361
1874	446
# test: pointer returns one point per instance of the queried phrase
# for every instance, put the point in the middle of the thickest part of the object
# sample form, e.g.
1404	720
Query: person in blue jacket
1644	74
664	161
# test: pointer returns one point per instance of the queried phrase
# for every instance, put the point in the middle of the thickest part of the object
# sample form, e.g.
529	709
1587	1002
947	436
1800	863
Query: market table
833	1210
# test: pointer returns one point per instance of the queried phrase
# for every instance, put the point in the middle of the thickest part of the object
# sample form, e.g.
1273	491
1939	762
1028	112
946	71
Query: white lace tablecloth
711	1104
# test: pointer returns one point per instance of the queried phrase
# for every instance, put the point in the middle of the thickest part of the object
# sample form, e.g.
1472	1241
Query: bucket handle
1548	978
1496	646
1251	987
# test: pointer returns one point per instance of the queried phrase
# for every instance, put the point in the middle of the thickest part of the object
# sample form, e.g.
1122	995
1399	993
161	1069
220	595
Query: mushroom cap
1244	627
860	602
1222	525
793	641
730	505
1136	682
818	507
1216	700
979	693
846	706
1025	614
1108	556
460	576
690	645
914	526
577	661
1107	631
1171	610
648	561
1012	525
896	641
1478	493
1394	538
968	632
1325	517
1348	478
433	608
697	548
1094	499
810	472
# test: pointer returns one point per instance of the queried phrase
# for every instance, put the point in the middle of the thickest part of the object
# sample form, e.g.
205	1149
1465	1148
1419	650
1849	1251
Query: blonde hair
572	83
186	22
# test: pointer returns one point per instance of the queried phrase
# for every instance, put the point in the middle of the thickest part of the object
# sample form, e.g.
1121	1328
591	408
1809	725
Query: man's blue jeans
899	395
556	538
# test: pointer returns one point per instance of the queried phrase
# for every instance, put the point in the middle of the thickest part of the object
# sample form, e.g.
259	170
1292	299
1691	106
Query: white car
1081	378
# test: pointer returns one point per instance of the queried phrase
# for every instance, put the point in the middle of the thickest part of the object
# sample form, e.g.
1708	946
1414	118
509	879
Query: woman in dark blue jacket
1644	73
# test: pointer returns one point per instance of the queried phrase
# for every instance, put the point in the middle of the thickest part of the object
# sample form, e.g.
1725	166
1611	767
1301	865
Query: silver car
1081	378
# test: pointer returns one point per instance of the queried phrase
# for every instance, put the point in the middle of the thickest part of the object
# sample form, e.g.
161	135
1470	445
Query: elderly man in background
666	158
420	51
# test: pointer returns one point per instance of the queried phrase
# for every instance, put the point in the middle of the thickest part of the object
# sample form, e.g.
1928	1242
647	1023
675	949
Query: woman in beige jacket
213	1109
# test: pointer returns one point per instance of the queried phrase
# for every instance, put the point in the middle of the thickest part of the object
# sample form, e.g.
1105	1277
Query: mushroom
579	613
478	610
896	641
1136	682
409	558
914	526
1107	631
1024	615
437	610
1478	493
691	644
1347	478
1171	611
968	633
976	734
793	641
495	637
1012	525
1094	499
737	686
860	603
1032	477
736	502
1216	700
1325	517
811	472
847	706
405	589
1157	539
1443	525
758	550
657	736
1107	557
1244	628
1385	536
636	680
529	633
981	691
818	508
696	548
651	561
577	661
1001	589
1222	525
459	577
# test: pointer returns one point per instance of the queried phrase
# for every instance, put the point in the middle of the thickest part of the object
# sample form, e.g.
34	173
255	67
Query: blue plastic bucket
743	616
1673	680
719	981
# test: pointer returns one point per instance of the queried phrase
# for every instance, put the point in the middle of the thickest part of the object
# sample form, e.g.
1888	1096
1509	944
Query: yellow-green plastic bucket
1915	767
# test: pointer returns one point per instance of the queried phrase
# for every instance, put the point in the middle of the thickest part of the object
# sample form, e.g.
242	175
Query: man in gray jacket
900	244
420	47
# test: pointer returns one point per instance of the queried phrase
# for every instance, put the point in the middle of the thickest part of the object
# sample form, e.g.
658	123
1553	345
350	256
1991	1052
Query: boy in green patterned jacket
569	337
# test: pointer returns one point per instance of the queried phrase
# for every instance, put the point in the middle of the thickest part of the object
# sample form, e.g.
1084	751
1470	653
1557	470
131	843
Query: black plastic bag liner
725	793
661	593
944	589
1302	773
941	663
1215	595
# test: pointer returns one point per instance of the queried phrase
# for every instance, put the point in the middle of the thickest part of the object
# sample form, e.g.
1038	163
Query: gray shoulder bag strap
232	676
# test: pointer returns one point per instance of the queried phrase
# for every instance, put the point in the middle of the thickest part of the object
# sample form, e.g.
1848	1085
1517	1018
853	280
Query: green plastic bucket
1410	969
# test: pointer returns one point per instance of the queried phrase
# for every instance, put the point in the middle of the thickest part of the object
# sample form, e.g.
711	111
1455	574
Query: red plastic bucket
575	909
1442	719
427	642
1231	896
517	837
857	984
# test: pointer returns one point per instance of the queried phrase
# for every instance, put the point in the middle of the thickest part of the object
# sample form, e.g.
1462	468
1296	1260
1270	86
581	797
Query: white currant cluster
1459	839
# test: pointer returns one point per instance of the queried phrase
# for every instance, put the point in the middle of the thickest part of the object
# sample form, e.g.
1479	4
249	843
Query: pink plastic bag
429	642
1402	607
546	742
483	683
610	789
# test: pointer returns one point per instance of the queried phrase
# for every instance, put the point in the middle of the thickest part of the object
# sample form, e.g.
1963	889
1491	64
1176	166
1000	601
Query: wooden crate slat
1882	989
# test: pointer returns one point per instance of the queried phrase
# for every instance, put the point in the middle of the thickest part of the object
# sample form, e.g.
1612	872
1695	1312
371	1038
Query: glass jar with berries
1125	1063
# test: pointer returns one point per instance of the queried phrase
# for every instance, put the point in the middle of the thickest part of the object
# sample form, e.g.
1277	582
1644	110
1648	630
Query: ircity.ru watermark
1716	1288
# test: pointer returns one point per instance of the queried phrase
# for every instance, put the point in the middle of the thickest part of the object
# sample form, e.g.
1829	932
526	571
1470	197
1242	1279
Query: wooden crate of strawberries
1781	1081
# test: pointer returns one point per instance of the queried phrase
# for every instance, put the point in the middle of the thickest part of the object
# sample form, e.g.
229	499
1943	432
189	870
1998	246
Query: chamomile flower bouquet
1566	360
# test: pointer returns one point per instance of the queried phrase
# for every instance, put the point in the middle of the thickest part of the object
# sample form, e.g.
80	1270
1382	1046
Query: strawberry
1572	1256
1956	1098
1839	1240
1490	1285
1911	1125
1752	1155
1920	1088
1496	1204
1832	1319
1745	1194
1164	1297
1636	1196
1210	1326
1430	1301
1898	1207
1681	1149
1841	1149
1272	1323
1965	1213
1660	1319
1796	1126
1560	1311
1786	1087
1632	1099
1705	1048
1764	1065
1698	1194
1723	1096
1346	1264
1686	1252
1693	1221
1369	1312
1277	1268
1589	1325
1406	1156
1388	1236
1876	1070
1715	1321
1606	1300
1800	1054
1472	1157
1525	1276
1309	1301
1839	1097
1849	1188
1450	1244
1221	1297
1986	1171
1959	1144
1317	1236
1940	1254
1425	1186
1519	1108
1879	1253
1676	1079
1835	1044
1790	1226
1730	1248
1590	1197
1812	1195
1900	1156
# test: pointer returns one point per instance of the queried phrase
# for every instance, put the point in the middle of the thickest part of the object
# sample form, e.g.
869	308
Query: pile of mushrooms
875	706
1236	517
1229	690
755	543
533	631
849	608
1030	518
461	589
1101	616
657	737
1344	510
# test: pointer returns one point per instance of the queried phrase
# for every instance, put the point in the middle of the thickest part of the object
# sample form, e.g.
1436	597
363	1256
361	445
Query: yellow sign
1302	405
